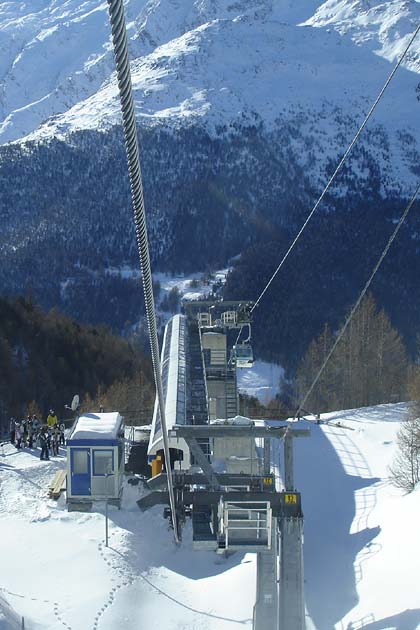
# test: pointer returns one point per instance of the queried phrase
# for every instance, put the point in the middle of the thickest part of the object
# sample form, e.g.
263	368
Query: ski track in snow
55	605
128	579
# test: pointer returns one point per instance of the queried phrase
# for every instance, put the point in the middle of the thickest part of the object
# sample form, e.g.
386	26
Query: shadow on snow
407	620
328	499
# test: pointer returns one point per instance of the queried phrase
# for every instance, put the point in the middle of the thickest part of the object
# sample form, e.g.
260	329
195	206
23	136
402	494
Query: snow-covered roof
93	426
237	420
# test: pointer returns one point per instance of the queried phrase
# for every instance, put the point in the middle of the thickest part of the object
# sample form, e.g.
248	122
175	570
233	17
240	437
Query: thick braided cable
119	38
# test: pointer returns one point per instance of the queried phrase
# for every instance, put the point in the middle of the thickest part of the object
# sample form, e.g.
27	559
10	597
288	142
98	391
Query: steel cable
343	159
119	38
356	306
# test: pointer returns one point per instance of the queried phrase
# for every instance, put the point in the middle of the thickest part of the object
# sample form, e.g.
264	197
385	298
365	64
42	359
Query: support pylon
266	606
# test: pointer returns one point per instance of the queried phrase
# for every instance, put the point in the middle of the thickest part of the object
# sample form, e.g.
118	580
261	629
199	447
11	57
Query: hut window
103	462
80	462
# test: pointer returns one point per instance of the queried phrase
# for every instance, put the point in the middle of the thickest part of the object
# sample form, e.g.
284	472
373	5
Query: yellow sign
290	499
267	481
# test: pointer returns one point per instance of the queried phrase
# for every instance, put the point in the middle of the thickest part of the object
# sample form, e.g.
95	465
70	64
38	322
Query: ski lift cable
248	339
239	334
343	159
356	306
119	38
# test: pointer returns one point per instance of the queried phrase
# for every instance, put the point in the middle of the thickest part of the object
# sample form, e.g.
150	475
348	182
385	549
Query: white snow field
200	59
261	381
362	547
312	65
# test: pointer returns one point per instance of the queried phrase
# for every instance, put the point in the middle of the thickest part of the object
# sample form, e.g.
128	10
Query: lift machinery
229	489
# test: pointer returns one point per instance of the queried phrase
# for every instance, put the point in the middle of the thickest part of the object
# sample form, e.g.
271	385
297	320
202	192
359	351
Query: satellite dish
75	402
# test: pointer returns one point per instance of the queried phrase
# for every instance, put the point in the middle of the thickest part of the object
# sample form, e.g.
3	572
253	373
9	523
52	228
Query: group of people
31	432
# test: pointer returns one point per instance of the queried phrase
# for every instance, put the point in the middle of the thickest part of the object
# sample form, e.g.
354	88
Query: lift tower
222	472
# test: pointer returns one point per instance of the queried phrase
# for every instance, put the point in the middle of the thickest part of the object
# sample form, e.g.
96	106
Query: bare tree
132	397
368	367
405	471
414	376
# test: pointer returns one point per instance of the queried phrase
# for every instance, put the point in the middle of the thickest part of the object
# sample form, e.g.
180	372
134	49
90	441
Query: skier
62	441
35	423
12	429
48	433
25	428
30	430
52	419
35	429
43	441
55	439
18	435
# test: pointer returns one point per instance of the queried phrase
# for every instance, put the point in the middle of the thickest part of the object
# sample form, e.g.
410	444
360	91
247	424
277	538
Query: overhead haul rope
119	38
356	306
343	159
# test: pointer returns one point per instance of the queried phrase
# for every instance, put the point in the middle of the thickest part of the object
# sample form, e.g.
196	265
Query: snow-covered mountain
212	60
244	108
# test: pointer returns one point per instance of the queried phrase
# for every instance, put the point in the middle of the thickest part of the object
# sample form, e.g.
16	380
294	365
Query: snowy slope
202	60
71	579
261	381
361	546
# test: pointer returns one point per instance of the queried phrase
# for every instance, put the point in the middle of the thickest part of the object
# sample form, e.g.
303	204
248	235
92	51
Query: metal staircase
197	405
197	400
245	524
231	390
266	605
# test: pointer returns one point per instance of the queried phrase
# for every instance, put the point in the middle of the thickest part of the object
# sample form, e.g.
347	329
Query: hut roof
92	426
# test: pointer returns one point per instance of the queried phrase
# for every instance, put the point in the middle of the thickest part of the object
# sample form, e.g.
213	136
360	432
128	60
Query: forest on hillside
47	357
324	275
363	363
67	225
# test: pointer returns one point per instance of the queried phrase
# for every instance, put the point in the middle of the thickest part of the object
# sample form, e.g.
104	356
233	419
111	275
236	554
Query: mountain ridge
244	111
179	53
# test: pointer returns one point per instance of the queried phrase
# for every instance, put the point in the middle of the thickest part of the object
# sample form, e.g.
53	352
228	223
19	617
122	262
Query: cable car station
221	463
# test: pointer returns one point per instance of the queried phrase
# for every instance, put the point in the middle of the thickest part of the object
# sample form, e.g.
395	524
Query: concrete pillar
288	463
266	606
267	456
292	598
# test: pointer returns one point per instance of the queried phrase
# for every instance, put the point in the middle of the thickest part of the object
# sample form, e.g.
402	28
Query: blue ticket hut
95	459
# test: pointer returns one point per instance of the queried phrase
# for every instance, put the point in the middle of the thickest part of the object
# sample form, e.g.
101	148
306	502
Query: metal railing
249	518
204	373
128	443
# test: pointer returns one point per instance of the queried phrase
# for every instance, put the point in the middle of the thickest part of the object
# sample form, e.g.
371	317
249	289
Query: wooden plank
58	484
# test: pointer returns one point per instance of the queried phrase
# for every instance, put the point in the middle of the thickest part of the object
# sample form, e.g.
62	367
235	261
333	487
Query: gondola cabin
95	459
243	355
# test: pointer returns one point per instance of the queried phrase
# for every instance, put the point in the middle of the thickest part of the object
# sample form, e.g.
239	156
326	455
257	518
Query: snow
71	578
358	527
316	66
193	286
9	620
361	545
236	421
91	426
261	381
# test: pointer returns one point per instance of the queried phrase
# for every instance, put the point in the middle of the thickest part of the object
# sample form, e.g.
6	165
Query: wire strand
119	38
356	306
343	159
